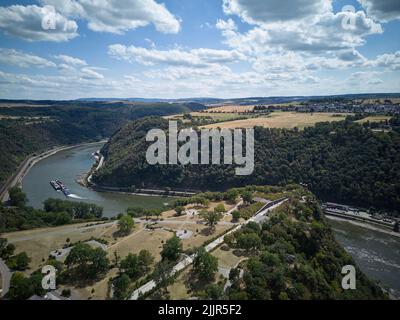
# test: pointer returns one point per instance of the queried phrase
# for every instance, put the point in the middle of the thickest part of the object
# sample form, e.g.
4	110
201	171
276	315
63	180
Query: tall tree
205	264
172	249
19	262
162	275
17	197
211	218
130	266
125	224
121	287
247	196
87	261
145	260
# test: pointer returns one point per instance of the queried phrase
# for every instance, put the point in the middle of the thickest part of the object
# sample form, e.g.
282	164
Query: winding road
6	278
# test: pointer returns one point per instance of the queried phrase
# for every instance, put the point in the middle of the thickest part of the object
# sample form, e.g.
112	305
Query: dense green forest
28	129
344	161
294	256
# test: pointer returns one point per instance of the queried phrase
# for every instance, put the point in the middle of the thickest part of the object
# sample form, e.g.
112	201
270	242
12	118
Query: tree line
20	216
340	162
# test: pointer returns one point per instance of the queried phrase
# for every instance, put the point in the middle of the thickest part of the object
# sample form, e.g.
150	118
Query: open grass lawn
287	120
97	291
38	243
187	286
140	239
227	259
179	289
199	232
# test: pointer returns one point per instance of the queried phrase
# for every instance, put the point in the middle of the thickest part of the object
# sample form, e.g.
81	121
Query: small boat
55	185
60	184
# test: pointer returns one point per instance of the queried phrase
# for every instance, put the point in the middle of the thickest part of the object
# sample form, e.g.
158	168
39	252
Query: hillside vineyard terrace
188	152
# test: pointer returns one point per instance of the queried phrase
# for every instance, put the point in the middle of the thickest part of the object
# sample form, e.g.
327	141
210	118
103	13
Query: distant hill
343	161
153	100
32	126
211	100
252	100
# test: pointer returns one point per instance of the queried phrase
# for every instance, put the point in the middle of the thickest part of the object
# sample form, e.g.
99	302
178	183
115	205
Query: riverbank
376	251
85	180
365	225
71	165
29	162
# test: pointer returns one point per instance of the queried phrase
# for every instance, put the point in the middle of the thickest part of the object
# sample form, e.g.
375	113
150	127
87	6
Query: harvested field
374	119
285	120
216	116
230	108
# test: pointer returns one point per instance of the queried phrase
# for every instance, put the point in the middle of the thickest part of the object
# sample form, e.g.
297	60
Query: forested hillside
28	129
294	256
343	161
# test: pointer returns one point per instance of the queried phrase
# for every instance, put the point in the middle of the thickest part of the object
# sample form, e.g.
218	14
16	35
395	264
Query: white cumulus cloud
269	11
26	22
200	58
382	10
119	16
70	60
22	59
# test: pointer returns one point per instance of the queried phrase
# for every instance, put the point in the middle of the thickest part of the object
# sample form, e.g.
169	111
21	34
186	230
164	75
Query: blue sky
197	48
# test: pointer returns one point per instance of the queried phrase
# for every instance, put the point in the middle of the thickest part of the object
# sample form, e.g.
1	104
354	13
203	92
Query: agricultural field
230	108
217	116
378	118
381	100
22	105
285	120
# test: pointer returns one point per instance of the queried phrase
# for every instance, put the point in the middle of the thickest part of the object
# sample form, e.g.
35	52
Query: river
376	253
66	166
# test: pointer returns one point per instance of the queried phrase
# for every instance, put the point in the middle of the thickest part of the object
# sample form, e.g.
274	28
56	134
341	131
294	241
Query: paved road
6	277
189	260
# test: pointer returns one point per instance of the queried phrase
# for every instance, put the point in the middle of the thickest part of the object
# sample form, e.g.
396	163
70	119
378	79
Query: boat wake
75	196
